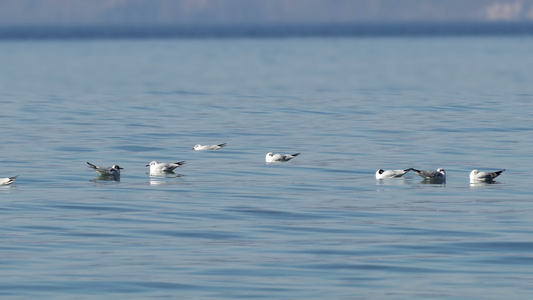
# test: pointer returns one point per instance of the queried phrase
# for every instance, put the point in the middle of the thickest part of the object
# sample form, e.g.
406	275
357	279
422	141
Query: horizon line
414	28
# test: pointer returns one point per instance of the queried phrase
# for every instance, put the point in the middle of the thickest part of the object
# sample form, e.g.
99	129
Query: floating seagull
113	171
433	176
8	180
271	157
386	174
208	147
476	176
156	167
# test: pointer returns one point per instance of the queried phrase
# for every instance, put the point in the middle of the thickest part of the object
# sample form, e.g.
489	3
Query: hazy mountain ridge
238	12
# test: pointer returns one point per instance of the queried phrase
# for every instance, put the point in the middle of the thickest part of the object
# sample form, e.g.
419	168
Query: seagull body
156	167
439	175
104	171
208	147
271	157
386	174
476	176
8	180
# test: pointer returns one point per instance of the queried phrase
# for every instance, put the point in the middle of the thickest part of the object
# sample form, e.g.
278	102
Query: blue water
317	227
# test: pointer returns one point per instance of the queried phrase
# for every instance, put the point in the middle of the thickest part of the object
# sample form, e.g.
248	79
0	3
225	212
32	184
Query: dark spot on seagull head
380	171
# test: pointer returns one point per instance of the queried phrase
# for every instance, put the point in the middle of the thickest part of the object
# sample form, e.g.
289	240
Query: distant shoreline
275	30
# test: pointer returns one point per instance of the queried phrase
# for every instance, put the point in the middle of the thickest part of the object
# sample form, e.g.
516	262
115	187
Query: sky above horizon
231	12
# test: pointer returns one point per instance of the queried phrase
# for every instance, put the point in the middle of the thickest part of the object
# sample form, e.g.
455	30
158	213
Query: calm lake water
317	227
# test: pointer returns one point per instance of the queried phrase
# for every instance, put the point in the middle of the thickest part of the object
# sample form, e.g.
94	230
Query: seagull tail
222	145
499	172
92	166
180	163
296	154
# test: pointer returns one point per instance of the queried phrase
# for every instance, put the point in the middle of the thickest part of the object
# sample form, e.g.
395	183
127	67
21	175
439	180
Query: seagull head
153	163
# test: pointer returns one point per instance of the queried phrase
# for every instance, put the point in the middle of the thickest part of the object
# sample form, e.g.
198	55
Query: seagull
439	175
386	174
208	147
156	167
271	157
476	176
8	180
113	171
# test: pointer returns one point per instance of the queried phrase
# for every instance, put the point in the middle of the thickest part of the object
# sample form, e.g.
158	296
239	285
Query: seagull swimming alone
476	176
387	174
271	157
438	176
112	171
156	167
8	180
208	147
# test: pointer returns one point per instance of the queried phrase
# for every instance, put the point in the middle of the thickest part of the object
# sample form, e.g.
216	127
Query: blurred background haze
190	17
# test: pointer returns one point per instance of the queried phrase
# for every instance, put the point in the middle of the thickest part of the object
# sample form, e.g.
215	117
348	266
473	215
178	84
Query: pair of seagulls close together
155	168
439	175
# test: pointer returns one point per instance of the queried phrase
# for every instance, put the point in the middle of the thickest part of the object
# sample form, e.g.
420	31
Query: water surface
317	227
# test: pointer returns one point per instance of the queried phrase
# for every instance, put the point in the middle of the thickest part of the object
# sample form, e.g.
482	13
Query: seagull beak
147	165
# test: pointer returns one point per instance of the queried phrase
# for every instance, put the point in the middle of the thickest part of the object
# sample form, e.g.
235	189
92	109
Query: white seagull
156	167
208	147
8	180
271	157
476	176
386	174
104	171
439	175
